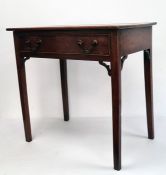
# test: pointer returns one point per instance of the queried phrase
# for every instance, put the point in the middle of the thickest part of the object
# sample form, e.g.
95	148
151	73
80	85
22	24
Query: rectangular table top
85	27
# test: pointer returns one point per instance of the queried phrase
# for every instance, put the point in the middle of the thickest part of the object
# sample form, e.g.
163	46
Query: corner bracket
109	70
25	59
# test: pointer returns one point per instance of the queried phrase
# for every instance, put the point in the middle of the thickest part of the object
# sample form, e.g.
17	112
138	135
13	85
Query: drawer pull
86	50
33	44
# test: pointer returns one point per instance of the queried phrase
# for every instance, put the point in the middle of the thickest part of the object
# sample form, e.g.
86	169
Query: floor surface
82	146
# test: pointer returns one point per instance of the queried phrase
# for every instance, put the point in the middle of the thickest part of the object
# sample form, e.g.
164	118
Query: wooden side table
105	43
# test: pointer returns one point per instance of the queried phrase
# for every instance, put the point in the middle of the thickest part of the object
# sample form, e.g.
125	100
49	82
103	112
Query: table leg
149	91
63	72
24	97
116	109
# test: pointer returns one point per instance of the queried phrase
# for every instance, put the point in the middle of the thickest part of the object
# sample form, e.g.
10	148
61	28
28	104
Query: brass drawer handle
87	50
33	44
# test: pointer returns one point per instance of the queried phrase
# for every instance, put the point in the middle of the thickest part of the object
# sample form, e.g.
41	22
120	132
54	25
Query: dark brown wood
149	91
63	72
64	44
116	99
108	67
85	27
23	90
134	40
97	43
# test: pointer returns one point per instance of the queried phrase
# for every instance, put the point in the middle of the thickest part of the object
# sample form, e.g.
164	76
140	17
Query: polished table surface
99	26
110	45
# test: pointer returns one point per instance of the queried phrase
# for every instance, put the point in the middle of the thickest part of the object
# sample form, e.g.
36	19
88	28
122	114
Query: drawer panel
91	44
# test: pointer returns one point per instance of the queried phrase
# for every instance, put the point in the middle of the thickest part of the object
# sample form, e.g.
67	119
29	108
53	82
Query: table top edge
86	27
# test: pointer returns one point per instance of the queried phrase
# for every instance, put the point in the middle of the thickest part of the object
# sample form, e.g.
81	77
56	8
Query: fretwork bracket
109	70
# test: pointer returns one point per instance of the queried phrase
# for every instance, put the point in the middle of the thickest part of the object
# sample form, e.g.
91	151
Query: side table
102	43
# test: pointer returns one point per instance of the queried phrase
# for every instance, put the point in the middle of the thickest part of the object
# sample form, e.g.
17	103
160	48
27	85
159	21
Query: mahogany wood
63	72
149	91
116	98
23	90
96	43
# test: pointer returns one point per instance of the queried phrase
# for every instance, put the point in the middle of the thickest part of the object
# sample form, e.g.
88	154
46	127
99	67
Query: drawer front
91	44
